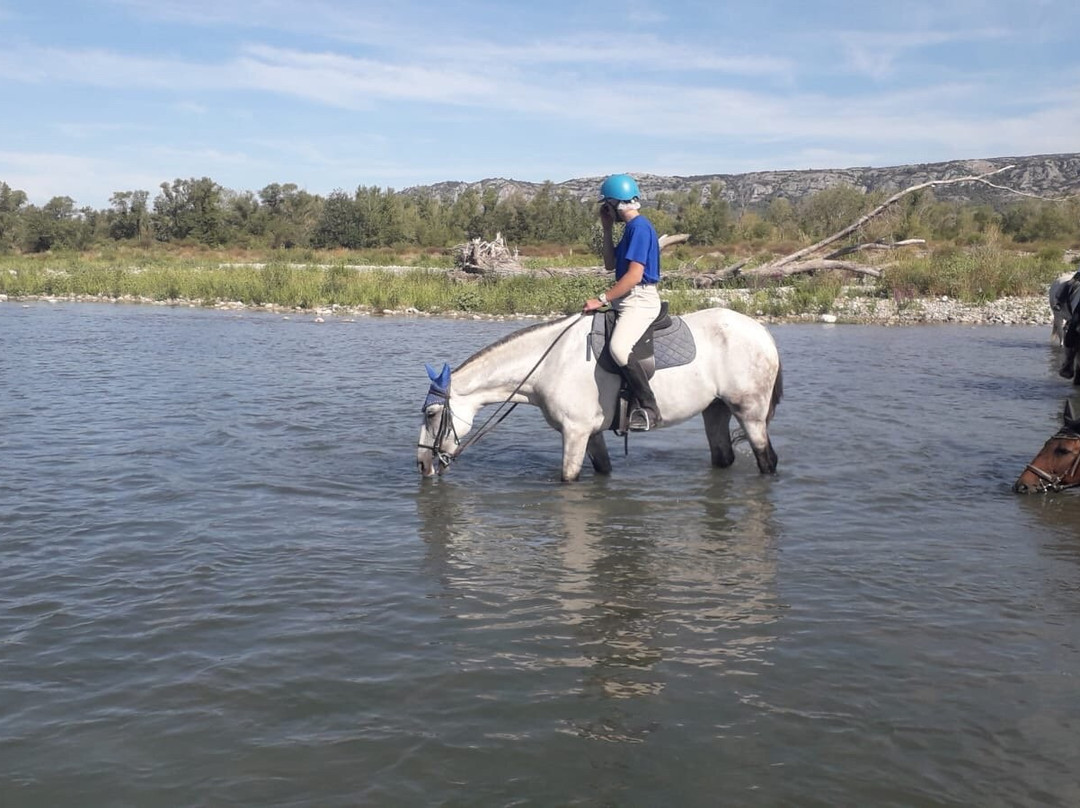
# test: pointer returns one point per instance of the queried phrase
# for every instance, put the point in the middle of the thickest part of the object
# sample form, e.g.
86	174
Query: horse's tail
777	391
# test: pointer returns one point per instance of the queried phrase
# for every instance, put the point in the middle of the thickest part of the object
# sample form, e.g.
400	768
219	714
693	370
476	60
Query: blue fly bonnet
439	391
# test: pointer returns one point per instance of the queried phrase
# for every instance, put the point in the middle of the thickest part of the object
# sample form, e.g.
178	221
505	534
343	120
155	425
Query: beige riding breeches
636	310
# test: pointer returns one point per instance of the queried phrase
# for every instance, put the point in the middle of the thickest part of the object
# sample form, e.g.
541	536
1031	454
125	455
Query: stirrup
641	421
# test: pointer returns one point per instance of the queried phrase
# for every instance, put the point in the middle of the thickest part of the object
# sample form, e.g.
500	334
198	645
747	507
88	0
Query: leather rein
446	421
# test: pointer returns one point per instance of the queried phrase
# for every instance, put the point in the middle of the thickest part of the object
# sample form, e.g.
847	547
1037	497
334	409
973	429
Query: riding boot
645	415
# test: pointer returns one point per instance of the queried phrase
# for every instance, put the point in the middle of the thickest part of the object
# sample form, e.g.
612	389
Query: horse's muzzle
1029	483
429	464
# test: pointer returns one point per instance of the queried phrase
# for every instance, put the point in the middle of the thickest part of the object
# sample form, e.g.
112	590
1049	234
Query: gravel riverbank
916	311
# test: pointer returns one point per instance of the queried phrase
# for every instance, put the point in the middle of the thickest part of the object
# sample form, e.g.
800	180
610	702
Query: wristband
603	299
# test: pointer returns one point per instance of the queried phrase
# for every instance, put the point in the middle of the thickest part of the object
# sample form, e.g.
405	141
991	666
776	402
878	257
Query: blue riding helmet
621	187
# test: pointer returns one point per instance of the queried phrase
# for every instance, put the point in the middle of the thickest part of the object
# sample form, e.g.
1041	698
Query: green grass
973	275
302	279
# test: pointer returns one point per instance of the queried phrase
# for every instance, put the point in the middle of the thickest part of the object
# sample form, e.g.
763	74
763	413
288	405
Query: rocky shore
854	309
913	311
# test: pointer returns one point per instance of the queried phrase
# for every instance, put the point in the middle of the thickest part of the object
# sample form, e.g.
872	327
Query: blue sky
117	95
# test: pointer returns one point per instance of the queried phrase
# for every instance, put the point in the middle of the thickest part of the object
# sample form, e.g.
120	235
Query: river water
223	583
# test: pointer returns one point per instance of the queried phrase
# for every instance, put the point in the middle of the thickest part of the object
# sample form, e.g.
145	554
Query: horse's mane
508	338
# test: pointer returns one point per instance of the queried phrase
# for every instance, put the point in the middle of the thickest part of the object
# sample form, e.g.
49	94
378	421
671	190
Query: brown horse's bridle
1054	482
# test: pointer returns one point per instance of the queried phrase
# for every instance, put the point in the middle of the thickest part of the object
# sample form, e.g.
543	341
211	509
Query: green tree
781	215
55	225
129	215
1034	220
466	216
432	217
11	223
833	209
289	215
706	217
241	219
192	209
340	224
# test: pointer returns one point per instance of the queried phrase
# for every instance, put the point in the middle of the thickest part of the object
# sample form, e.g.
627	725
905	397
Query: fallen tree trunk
892	200
876	245
667	241
804	261
812	265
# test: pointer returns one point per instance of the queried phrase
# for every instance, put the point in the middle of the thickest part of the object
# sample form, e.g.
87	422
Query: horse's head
443	427
1057	465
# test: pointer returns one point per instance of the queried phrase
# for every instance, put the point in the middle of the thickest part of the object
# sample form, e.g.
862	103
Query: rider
636	263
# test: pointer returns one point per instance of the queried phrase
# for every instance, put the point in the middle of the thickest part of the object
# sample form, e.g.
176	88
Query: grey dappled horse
735	372
1065	332
1064	300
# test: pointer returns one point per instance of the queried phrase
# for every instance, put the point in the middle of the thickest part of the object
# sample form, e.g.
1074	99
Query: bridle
1055	482
446	421
446	427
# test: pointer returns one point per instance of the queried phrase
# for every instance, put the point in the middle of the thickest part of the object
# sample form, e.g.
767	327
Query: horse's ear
440	378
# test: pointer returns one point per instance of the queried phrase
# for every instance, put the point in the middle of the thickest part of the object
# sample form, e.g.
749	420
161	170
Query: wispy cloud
337	93
876	54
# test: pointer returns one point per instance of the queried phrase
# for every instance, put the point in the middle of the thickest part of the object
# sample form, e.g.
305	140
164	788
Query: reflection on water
224	579
632	593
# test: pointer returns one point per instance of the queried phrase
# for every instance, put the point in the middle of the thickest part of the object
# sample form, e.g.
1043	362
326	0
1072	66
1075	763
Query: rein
446	422
1055	482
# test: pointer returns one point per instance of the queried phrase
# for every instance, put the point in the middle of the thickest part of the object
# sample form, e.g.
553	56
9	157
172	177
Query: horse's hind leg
758	434
754	420
598	453
717	418
766	457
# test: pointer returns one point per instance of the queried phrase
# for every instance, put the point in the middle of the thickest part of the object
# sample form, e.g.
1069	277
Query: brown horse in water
1057	466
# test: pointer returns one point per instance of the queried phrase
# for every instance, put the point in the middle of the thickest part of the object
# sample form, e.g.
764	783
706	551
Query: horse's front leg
717	417
598	453
574	444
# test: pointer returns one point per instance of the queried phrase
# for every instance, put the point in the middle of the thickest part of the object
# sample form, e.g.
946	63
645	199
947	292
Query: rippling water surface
223	582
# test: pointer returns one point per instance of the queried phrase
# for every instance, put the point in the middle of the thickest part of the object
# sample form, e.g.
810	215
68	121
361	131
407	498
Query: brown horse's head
1057	465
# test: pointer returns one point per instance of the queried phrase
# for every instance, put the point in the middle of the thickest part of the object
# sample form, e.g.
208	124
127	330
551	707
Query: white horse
1062	307
736	371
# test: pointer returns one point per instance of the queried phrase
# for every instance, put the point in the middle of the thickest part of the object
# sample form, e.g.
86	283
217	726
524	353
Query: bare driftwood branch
813	248
803	260
668	241
487	257
814	264
876	245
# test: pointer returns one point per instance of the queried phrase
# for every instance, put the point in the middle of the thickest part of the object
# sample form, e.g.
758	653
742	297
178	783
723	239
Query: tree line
202	212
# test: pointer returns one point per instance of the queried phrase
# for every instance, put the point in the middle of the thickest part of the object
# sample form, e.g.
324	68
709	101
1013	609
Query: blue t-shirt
638	243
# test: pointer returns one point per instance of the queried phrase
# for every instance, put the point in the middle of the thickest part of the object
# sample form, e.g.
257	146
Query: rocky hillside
1046	175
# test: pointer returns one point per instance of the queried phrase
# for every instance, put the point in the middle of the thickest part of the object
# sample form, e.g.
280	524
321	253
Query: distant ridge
1046	175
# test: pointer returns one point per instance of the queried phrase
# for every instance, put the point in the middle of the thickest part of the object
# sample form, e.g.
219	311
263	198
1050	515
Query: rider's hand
592	304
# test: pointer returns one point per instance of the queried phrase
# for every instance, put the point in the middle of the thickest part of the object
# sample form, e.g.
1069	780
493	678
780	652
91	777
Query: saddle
666	343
